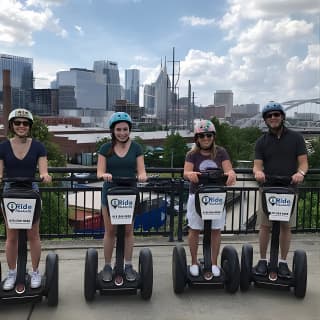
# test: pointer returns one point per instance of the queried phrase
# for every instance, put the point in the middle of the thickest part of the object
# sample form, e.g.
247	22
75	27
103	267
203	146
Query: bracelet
302	172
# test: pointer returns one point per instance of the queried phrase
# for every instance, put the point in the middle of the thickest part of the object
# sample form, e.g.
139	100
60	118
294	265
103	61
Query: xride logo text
279	201
124	204
212	200
19	207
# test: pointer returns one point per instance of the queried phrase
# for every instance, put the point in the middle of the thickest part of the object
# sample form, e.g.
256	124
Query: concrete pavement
257	303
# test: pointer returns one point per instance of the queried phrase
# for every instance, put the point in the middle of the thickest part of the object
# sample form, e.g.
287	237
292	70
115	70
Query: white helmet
20	113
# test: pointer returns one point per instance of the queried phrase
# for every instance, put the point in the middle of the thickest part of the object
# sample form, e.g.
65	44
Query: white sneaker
194	270
215	270
35	279
10	280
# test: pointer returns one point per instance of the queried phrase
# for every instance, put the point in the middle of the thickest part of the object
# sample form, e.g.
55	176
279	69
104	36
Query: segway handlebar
215	175
22	179
277	180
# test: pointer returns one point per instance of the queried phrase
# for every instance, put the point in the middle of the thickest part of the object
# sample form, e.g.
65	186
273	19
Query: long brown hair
196	148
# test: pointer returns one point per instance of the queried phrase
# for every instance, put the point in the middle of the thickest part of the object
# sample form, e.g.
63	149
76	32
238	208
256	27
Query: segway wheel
179	269
146	273
230	265
52	279
90	274
246	267
300	273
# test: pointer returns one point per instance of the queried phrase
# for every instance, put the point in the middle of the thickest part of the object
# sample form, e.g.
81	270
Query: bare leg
12	248
264	236
109	236
35	245
215	246
193	239
285	239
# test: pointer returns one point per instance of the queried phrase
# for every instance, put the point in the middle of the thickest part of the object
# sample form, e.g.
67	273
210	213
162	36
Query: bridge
300	124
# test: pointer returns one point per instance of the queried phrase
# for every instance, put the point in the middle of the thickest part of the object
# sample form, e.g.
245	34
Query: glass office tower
132	84
21	76
112	81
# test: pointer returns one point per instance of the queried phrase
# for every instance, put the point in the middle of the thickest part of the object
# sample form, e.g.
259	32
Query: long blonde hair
196	148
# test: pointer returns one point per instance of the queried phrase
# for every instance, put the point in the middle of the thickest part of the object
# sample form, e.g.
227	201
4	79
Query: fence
71	207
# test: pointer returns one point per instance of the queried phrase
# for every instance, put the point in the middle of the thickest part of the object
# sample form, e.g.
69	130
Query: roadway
257	303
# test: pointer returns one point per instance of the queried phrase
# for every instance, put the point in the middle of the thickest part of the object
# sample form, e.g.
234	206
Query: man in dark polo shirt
281	152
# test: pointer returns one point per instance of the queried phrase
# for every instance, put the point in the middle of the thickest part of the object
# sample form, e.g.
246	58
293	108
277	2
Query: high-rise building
21	78
163	97
224	98
109	70
132	85
44	102
66	98
249	109
149	98
89	88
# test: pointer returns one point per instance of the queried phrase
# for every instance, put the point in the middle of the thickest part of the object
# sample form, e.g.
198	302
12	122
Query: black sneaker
261	268
107	273
130	273
283	270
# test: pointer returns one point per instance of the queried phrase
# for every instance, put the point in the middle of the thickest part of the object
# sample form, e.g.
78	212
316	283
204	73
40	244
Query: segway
278	201
21	207
210	199
122	202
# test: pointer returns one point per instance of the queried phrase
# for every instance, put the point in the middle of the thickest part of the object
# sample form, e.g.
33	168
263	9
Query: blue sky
261	49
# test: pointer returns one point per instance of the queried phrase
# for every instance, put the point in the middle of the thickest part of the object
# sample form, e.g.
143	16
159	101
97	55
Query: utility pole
193	107
189	126
173	89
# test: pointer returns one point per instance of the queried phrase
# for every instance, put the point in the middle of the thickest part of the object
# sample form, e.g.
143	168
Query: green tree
40	132
314	156
53	208
239	142
141	142
102	141
175	149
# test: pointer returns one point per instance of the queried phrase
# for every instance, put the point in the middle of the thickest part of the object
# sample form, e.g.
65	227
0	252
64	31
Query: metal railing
71	206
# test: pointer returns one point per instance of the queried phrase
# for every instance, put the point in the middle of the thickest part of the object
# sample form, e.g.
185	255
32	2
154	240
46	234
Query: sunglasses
207	135
19	123
273	114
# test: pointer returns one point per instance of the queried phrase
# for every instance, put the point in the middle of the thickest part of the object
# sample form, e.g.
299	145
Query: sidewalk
257	303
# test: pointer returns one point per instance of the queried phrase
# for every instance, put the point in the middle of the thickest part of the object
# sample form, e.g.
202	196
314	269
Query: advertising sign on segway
121	208
279	206
19	212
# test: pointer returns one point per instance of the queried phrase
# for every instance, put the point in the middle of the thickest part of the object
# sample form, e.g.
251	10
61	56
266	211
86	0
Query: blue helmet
272	106
120	117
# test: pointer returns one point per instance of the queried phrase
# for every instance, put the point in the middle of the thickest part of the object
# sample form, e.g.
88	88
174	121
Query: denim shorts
8	185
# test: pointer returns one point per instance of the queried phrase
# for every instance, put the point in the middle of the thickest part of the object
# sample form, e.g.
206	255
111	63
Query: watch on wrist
302	172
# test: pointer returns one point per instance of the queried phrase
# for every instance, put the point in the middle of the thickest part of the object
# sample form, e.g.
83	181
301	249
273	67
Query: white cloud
272	56
305	73
79	29
196	21
140	58
45	71
242	12
17	23
252	77
44	3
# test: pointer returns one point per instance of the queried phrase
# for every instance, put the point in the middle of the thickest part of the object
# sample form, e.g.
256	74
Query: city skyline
261	50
